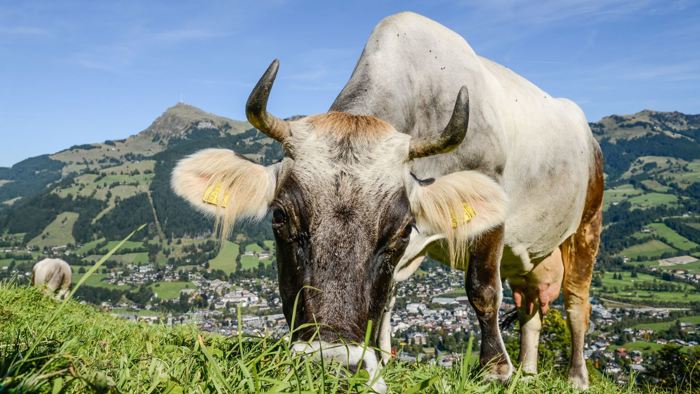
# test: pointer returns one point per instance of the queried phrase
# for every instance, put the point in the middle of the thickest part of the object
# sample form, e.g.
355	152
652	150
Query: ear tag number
468	212
211	196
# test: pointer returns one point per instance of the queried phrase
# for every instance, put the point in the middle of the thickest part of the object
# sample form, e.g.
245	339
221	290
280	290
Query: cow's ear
460	206
225	185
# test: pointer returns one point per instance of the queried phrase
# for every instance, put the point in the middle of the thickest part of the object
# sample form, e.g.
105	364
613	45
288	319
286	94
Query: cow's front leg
483	285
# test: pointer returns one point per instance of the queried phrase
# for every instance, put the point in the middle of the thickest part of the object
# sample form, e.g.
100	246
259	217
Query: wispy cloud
548	12
181	35
664	72
15	31
124	52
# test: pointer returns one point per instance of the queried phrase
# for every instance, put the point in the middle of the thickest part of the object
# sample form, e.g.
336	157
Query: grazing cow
370	188
54	275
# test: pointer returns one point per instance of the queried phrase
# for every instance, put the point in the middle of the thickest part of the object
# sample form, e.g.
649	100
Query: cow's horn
256	107
451	137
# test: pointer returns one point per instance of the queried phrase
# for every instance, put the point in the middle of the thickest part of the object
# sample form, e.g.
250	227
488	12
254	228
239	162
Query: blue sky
75	72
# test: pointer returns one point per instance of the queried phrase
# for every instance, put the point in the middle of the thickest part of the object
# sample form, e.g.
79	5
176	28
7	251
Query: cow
428	150
54	275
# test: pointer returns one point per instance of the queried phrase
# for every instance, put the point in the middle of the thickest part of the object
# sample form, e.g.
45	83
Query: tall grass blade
62	305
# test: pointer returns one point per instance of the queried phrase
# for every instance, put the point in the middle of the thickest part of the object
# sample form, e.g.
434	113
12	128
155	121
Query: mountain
644	137
106	189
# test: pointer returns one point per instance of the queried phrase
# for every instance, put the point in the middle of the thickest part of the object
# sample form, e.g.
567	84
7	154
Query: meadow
68	347
644	289
47	346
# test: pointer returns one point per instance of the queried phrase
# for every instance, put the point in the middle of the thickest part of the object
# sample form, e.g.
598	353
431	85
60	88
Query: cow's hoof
579	379
499	373
526	378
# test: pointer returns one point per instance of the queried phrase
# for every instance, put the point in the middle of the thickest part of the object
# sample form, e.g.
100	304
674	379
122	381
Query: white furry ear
225	185
459	206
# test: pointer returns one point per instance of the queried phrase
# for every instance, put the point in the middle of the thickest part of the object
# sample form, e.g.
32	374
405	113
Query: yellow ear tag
211	196
468	212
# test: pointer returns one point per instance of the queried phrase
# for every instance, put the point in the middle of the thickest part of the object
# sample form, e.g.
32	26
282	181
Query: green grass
58	232
673	238
665	325
626	292
642	346
88	351
649	249
250	262
685	178
226	259
619	194
88	246
139	312
691	267
255	248
650	200
656	186
138	258
127	245
95	280
170	290
5	262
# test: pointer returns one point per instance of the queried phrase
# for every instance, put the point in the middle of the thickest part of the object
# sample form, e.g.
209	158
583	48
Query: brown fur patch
344	125
579	250
578	254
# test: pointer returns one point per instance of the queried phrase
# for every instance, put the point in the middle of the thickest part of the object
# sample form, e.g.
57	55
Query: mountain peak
672	124
181	117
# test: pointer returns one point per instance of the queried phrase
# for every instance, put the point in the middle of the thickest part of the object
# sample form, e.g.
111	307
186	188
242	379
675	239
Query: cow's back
539	148
54	273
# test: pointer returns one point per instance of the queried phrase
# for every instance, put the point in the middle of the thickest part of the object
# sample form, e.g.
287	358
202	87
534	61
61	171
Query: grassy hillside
79	349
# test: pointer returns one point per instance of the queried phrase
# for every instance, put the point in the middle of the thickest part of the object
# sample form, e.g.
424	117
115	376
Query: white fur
385	329
349	355
438	206
539	147
247	188
54	274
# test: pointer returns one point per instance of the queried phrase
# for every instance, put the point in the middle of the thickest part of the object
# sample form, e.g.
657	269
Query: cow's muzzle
352	356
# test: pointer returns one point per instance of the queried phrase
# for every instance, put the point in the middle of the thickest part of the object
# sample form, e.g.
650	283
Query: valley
78	203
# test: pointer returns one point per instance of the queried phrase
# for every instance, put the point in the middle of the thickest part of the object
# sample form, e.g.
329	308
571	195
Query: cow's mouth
353	357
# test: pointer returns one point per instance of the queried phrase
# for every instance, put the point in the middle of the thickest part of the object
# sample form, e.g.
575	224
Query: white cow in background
54	275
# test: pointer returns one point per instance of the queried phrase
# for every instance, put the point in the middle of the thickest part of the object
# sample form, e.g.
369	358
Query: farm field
656	186
58	232
690	174
619	193
649	249
95	280
642	346
673	238
88	246
661	326
139	258
692	267
650	200
624	289
226	259
127	245
170	290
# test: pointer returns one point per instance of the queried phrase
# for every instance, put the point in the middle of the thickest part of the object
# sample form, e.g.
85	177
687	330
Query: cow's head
345	208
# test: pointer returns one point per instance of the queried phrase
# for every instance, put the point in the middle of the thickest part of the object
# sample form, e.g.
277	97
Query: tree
674	367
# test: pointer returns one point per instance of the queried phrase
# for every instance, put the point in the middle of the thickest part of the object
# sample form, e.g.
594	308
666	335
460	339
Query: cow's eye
279	217
406	232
